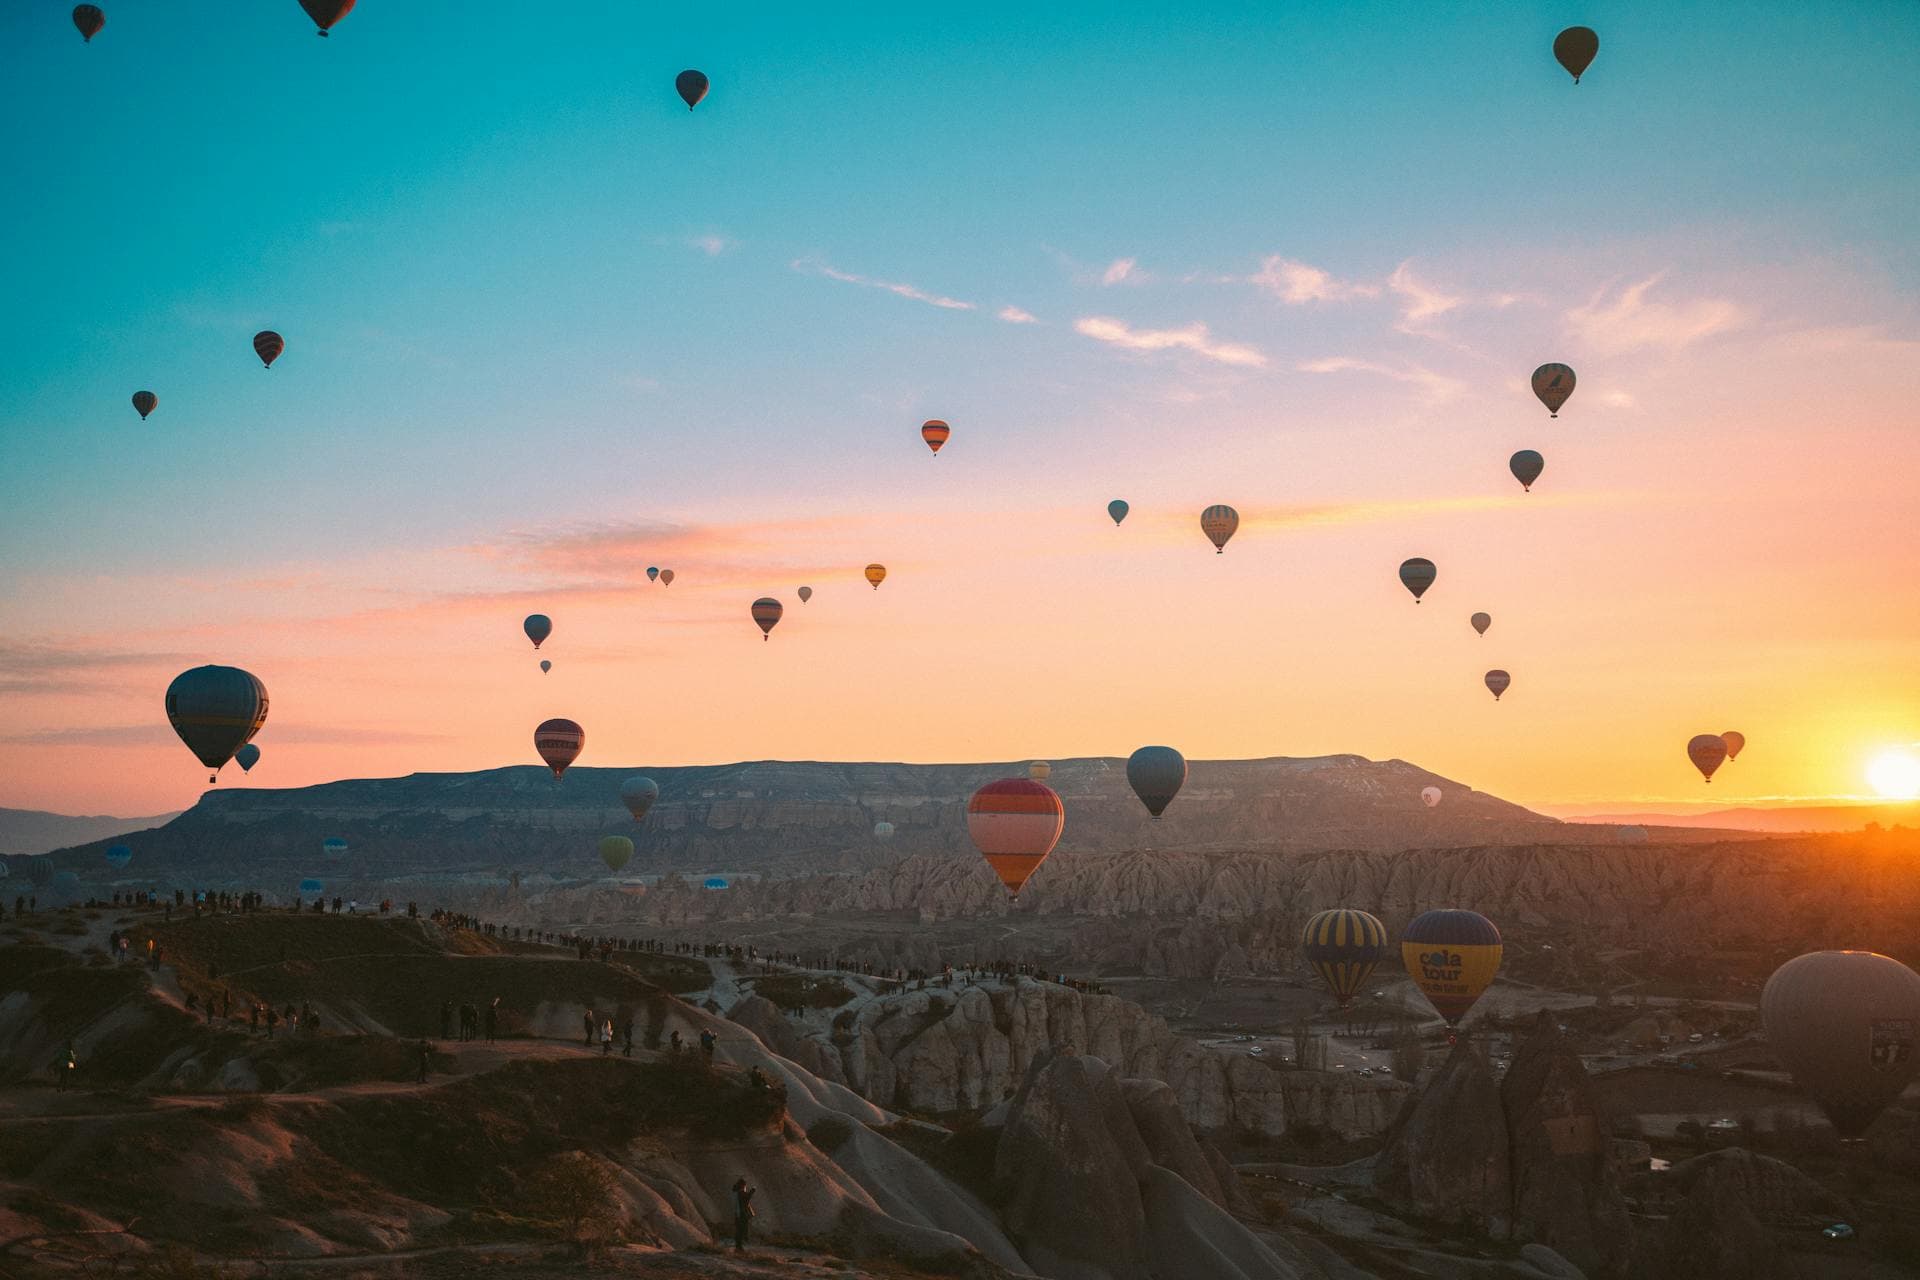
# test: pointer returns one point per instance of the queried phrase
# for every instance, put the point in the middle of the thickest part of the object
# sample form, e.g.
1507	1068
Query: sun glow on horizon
1894	774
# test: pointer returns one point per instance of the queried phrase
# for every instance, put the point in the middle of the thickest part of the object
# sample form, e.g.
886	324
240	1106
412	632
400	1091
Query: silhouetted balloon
1218	522
666	577
546	665
334	847
653	573
1015	823
1707	751
1430	796
1342	946
118	856
247	756
1039	771
538	627
692	86
1156	775
1451	956
268	345
1526	466
935	433
1497	682
876	574
1481	621
311	885
559	743
714	882
615	851
215	710
1118	510
1416	575
145	402
766	614
805	594
1736	743
883	831
1553	383
89	20
1847	1025
638	793
326	12
1631	835
1574	49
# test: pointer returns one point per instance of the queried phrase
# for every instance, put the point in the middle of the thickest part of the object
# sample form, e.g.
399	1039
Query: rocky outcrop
1447	1157
1733	1205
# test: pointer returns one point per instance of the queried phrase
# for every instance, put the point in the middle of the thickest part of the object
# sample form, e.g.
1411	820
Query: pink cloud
1195	338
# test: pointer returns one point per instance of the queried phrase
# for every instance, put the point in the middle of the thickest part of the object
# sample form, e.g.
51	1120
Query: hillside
35	831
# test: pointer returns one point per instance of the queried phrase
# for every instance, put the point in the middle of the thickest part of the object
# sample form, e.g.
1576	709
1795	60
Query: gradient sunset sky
545	327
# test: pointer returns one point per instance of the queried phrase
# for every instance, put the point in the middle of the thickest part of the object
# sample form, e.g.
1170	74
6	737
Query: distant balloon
1452	957
714	882
692	86
538	627
1481	621
1736	743
666	577
1218	522
1416	575
1039	771
1847	1025
1631	835
145	402
1497	682
559	743
119	856
1118	510
1526	466
65	889
935	433
1553	383
1156	775
89	20
334	847
653	573
638	793
216	710
313	886
766	614
1574	49
326	12
615	851
1015	823
247	756
876	574
805	594
546	665
1342	946
883	831
1708	751
4	873
1430	796
268	345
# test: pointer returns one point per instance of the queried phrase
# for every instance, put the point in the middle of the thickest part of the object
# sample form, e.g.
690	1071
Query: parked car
1838	1231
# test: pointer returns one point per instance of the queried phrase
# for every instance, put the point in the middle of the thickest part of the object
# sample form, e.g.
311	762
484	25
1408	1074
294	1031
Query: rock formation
1447	1156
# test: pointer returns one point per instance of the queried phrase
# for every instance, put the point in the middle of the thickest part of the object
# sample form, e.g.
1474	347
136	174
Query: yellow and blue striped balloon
1343	945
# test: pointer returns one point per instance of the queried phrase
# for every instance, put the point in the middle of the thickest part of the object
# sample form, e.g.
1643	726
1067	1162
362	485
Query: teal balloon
714	882
312	886
1526	466
1118	510
247	757
119	856
334	847
1156	775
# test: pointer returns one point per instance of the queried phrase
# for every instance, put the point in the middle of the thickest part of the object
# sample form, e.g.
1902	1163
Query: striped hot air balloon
1015	823
1553	383
935	433
334	847
1708	751
1342	946
215	710
1497	682
876	574
559	743
1218	522
268	345
883	831
1452	956
1526	466
1040	770
766	615
1416	575
615	851
310	885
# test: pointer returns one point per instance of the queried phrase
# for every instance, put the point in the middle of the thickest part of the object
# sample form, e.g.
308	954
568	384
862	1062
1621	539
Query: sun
1895	775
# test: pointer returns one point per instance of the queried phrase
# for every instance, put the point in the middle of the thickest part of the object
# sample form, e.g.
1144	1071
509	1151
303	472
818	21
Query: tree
1409	1053
1309	1050
574	1192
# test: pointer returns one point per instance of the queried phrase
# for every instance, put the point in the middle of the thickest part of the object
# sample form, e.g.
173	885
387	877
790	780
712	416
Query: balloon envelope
145	402
935	433
1574	49
1118	510
215	710
1416	575
1553	383
805	594
883	831
65	889
1452	956
326	12
1497	682
666	577
766	613
546	665
1631	835
615	851
1430	796
638	793
88	19
1526	466
1015	823
119	856
1218	522
1736	742
559	743
538	627
1708	751
653	573
246	757
692	87
1039	771
1847	1025
876	574
268	345
312	886
1342	946
333	847
1156	775
714	882
1481	621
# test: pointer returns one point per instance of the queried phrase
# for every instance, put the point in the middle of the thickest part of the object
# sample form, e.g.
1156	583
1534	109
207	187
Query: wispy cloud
157	733
1419	301
1195	338
712	244
816	267
1629	320
1017	315
1296	283
1437	387
1122	271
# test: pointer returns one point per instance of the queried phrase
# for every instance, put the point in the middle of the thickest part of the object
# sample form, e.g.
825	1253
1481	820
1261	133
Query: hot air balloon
145	402
268	345
876	574
1631	835
1343	946
334	847
538	627
1430	796
326	12
1118	510
216	710
1039	771
246	757
714	882
615	851
4	873
666	577
1708	751
1156	775
1553	383
805	594
88	19
546	665
1452	957
1416	575
1497	682
1481	621
559	743
766	613
312	886
638	793
119	856
653	573
1574	49
935	433
1218	522
692	86
1526	466
883	831
1015	823
1847	1025
1736	743
64	891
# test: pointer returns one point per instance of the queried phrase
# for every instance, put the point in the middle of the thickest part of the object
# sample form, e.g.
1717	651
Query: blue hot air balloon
119	856
313	886
714	882
334	847
1156	775
1118	510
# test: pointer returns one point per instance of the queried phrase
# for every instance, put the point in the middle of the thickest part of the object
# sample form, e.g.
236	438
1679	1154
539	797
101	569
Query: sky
546	327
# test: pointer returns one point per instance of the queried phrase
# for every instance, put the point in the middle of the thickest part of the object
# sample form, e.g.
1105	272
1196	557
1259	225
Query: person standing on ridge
707	1041
606	1037
587	1022
742	1214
